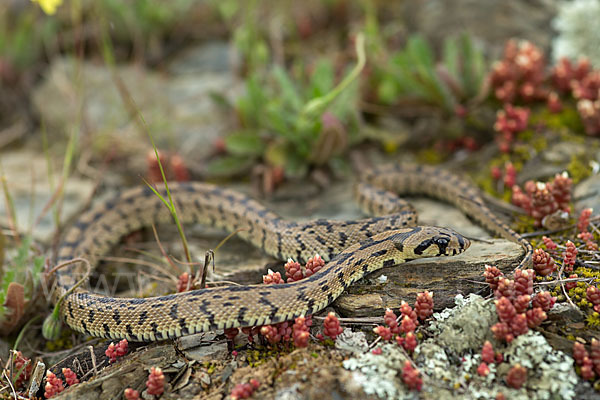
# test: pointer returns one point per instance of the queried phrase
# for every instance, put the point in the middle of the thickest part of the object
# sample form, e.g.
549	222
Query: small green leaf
322	79
246	143
277	153
2	247
451	57
289	92
228	166
420	51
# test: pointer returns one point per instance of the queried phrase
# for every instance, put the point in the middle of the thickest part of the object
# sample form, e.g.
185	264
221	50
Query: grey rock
587	194
28	182
507	19
177	109
212	57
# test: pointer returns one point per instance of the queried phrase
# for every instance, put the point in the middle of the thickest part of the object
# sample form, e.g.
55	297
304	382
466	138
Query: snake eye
442	242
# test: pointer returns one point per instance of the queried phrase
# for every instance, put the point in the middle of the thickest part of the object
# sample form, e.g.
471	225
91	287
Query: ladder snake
352	249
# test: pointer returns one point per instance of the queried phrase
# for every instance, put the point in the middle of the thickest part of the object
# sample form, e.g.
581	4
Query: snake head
430	241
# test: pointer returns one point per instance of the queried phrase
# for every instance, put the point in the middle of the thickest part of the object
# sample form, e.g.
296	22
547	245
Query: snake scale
352	249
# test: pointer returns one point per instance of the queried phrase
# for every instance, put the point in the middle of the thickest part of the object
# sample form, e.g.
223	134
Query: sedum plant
414	74
293	123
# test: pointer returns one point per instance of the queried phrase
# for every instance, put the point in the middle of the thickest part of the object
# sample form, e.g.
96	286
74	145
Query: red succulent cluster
487	353
592	294
117	350
572	284
570	256
516	376
517	308
520	74
273	278
488	357
584	85
508	176
184	283
131	394
520	77
70	377
278	332
54	385
411	377
404	332
588	362
244	390
424	305
543	199
584	234
492	277
22	366
251	331
300	331
549	243
286	331
543	263
331	326
565	74
155	385
510	121
173	166
294	272
590	115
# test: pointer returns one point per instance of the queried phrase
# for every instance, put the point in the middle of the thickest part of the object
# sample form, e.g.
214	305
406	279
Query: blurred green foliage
281	122
24	267
22	36
413	73
147	19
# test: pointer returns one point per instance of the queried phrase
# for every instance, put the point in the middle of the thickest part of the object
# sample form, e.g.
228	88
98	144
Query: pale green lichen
354	342
466	326
551	374
452	356
578	30
380	374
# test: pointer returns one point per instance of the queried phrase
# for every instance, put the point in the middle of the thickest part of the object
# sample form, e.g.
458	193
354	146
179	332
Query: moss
430	156
63	342
593	320
578	170
524	223
567	120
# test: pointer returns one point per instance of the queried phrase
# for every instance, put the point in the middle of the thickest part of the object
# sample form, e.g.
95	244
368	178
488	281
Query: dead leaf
15	303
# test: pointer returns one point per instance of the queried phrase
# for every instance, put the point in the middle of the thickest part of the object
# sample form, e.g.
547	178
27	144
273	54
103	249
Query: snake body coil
353	249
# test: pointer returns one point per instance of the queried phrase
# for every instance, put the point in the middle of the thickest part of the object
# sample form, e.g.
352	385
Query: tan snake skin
353	249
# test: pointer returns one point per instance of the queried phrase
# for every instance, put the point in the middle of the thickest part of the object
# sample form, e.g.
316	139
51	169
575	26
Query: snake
351	249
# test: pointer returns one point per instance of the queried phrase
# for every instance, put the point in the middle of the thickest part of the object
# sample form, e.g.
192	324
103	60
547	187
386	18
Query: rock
360	305
438	19
131	371
587	194
177	109
556	159
215	351
202	347
28	183
212	57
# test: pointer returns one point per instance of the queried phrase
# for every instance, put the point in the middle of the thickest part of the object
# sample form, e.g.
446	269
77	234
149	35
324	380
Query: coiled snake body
353	249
